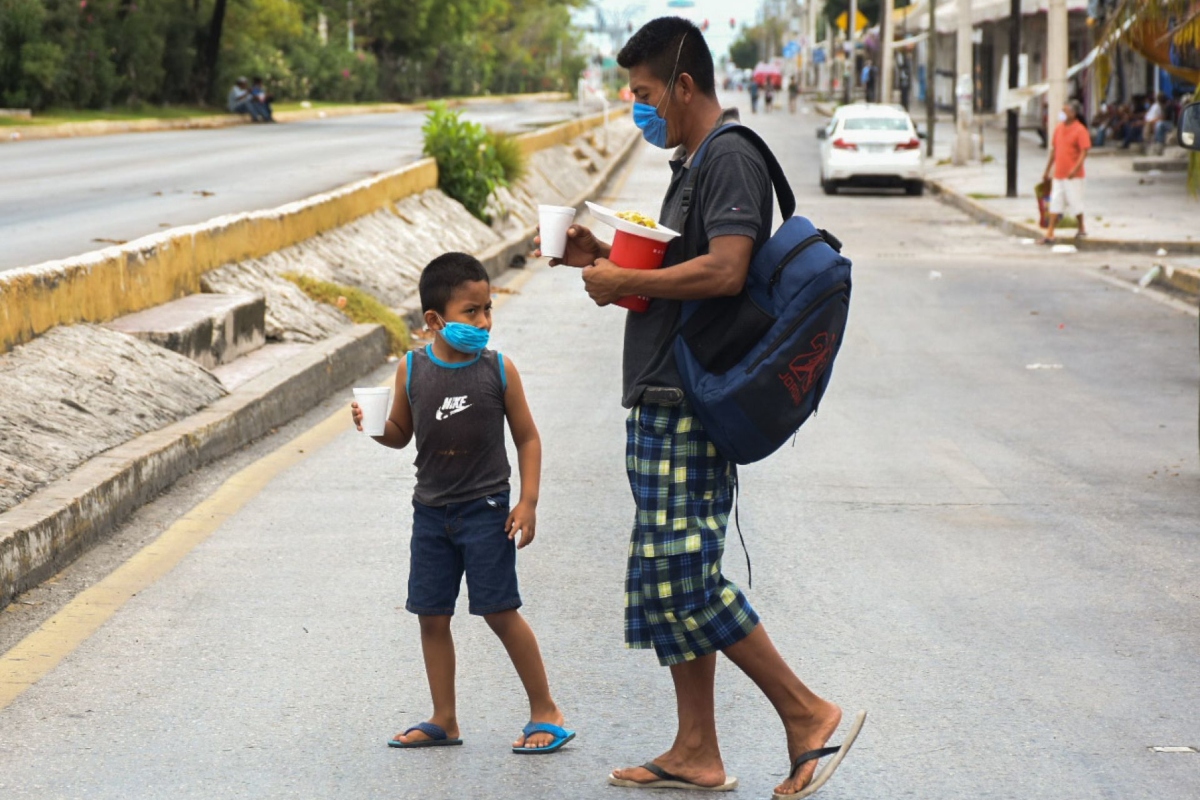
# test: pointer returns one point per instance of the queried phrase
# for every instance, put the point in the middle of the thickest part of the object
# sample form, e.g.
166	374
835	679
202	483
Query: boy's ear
432	320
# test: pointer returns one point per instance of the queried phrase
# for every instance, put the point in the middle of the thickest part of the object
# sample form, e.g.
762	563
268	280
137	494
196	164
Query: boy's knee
501	620
434	623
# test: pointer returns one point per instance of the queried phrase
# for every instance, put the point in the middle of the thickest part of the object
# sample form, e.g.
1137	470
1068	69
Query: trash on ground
934	274
1043	366
1152	275
1162	251
1029	241
1064	249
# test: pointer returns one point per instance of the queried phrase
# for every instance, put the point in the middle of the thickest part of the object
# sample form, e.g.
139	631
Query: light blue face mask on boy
645	116
464	338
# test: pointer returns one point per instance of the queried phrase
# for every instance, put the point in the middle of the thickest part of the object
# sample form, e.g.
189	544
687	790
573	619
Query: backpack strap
783	190
503	374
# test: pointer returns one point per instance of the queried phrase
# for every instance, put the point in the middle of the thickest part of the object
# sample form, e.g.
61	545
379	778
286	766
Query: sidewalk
1127	210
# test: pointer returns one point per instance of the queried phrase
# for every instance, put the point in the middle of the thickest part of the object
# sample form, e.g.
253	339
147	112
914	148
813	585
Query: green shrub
511	156
360	306
469	169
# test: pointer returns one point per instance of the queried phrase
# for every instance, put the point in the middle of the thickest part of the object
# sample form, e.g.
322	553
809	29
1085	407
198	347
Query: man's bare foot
450	726
809	733
710	774
539	740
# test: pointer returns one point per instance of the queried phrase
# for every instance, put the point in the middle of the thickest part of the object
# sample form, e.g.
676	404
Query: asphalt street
64	197
988	538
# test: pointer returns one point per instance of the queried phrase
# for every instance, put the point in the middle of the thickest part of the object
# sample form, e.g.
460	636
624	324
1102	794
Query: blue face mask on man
646	117
464	338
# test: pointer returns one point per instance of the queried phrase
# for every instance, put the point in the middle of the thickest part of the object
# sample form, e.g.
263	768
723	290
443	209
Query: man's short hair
655	45
446	273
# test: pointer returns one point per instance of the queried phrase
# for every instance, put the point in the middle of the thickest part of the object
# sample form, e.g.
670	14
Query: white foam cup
554	222
374	404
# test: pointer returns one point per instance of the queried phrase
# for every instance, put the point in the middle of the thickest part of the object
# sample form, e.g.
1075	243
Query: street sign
819	55
860	22
791	49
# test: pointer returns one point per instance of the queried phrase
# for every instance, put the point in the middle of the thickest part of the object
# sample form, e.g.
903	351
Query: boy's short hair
656	44
446	273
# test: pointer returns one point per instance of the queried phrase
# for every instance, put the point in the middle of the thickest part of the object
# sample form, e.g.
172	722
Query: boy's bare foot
804	734
709	774
538	740
449	726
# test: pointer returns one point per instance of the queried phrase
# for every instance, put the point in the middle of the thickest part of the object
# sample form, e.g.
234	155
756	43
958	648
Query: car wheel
915	188
830	187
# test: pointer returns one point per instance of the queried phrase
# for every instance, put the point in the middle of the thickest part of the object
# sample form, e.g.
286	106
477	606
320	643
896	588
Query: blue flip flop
437	737
561	737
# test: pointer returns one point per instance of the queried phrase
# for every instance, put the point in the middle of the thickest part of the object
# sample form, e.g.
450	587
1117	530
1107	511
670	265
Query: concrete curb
41	535
982	213
29	133
44	533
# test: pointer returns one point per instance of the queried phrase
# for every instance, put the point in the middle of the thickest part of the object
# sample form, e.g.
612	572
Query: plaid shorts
676	599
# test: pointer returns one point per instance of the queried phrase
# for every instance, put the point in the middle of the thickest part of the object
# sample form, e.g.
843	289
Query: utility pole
1056	64
810	72
852	35
964	85
885	51
930	70
350	25
1014	59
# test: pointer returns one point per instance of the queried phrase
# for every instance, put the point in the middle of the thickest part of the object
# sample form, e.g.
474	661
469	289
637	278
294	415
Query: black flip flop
666	780
437	737
825	774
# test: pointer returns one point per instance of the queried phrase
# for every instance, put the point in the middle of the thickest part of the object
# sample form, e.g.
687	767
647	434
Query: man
677	600
258	91
1157	126
868	80
793	91
241	101
1068	151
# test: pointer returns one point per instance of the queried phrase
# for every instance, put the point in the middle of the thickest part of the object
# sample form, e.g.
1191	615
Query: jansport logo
451	406
805	369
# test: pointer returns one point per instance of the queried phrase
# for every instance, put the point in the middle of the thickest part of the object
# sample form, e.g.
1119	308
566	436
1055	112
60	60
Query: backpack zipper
800	318
797	250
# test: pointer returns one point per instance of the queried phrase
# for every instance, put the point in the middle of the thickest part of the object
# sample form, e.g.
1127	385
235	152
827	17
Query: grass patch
510	155
359	306
318	105
988	159
1068	222
982	196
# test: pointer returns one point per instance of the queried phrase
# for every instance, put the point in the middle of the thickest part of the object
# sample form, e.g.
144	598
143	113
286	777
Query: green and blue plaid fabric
676	599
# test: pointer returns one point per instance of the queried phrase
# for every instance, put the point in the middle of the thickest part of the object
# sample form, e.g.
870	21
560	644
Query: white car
869	144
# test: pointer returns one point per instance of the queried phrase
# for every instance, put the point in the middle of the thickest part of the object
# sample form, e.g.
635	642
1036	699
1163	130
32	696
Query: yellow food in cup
637	219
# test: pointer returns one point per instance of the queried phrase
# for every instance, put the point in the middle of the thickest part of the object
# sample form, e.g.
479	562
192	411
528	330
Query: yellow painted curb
105	284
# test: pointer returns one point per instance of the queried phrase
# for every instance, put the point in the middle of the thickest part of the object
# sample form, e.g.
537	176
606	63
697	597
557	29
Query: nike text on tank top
458	424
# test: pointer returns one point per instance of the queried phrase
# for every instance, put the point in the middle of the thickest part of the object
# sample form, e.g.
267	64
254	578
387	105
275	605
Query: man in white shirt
1157	125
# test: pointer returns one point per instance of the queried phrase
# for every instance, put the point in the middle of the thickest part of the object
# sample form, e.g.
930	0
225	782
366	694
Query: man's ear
687	86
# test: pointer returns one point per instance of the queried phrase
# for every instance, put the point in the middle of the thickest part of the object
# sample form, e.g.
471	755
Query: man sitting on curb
1067	154
241	101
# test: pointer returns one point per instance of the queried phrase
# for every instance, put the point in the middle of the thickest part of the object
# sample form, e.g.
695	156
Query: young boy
454	397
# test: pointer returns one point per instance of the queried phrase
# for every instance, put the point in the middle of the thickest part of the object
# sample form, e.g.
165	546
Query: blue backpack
756	365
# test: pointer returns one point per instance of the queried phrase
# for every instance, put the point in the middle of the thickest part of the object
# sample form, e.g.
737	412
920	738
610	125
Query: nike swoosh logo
441	414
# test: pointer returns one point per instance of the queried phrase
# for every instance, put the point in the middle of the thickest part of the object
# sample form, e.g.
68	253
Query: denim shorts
462	537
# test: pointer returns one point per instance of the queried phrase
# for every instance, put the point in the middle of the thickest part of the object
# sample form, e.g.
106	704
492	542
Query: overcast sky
717	12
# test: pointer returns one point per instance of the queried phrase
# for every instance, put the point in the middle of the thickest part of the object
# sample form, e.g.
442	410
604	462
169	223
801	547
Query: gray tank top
458	424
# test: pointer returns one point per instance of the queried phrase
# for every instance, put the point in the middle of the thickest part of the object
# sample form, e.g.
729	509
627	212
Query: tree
744	52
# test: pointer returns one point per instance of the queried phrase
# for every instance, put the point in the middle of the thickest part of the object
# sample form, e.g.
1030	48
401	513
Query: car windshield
876	124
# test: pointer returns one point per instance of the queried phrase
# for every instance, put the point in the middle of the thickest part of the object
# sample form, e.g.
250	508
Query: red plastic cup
636	252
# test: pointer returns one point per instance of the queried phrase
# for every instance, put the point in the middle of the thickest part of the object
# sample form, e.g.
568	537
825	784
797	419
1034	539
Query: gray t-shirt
458	423
733	196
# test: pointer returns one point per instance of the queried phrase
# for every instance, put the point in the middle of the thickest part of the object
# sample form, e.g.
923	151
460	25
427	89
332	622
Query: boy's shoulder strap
783	190
503	374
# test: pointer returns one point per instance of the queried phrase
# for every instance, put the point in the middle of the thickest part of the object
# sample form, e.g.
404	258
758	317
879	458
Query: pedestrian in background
768	96
241	101
793	91
264	100
1068	151
453	397
753	96
677	601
